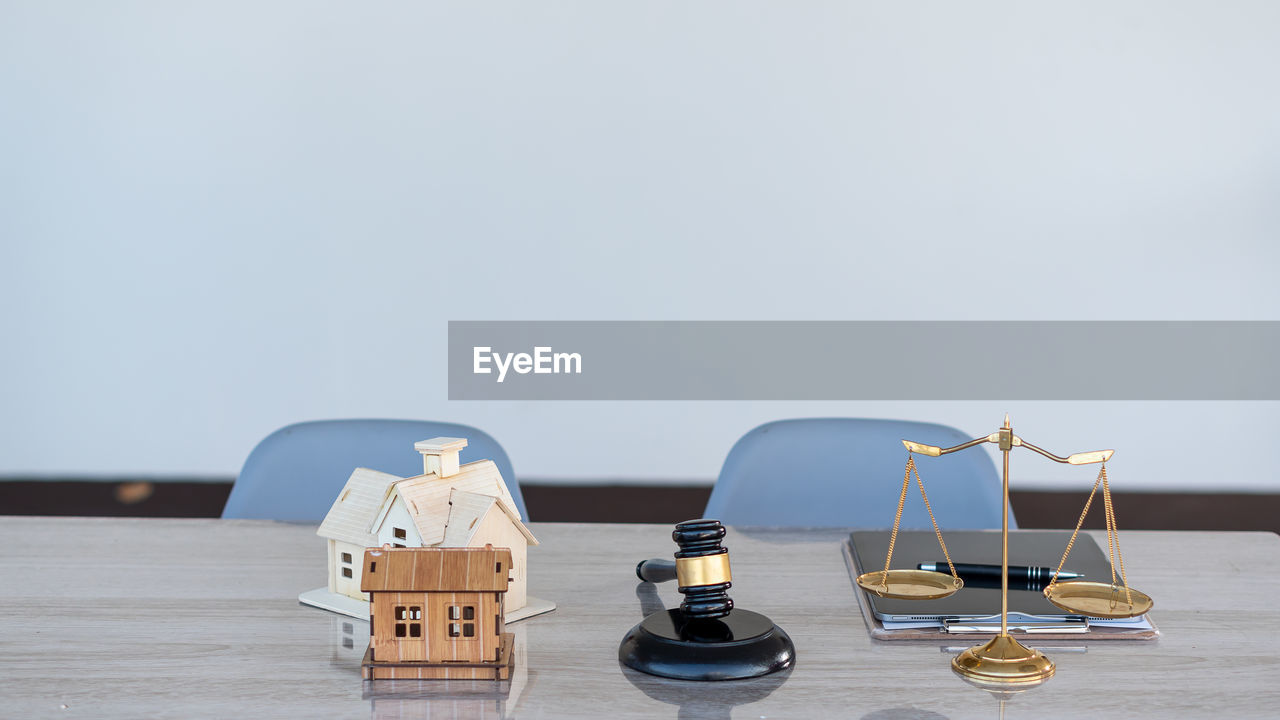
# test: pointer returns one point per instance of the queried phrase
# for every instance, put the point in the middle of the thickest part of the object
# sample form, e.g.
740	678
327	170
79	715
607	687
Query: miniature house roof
450	499
436	569
357	507
466	511
427	497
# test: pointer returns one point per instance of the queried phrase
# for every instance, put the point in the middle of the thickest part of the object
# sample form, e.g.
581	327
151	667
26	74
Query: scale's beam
930	450
1084	458
935	451
1088	458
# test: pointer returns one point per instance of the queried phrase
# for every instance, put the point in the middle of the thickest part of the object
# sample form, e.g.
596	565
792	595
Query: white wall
222	217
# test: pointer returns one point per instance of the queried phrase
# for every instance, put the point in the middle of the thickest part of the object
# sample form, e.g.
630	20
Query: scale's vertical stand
1003	659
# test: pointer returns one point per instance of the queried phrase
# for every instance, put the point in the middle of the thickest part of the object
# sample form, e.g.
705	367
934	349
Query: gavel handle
656	570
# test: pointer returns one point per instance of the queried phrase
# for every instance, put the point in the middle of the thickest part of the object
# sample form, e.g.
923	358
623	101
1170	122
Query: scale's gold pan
1097	599
910	584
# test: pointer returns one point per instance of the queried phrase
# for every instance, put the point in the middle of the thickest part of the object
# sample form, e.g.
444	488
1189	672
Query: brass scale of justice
1003	660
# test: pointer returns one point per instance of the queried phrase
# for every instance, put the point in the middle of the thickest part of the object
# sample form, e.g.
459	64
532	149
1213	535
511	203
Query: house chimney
440	455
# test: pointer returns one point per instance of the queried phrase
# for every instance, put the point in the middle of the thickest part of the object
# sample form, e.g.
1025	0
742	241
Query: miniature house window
347	630
346	558
459	612
412	614
399	533
346	572
346	565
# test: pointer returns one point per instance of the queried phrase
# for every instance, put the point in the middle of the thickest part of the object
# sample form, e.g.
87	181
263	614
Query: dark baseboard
648	504
1033	509
1151	511
615	503
95	498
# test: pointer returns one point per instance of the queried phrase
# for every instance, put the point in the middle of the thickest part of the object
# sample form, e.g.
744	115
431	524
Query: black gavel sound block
706	638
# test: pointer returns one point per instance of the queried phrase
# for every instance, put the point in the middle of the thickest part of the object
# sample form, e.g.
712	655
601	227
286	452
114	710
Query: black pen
1021	577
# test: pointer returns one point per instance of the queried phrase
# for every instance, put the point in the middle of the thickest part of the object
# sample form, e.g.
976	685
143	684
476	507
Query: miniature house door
408	618
456	631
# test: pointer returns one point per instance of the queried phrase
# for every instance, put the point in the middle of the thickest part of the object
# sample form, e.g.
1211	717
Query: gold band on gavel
704	570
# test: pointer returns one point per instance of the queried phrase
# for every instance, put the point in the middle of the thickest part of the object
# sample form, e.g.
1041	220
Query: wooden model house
449	505
437	613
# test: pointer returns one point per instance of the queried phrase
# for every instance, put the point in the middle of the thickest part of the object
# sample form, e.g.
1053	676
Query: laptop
1026	547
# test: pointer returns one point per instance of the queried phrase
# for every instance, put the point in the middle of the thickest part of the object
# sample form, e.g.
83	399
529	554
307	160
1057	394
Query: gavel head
702	569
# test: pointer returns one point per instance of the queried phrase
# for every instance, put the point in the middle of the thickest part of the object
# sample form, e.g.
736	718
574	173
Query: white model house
449	505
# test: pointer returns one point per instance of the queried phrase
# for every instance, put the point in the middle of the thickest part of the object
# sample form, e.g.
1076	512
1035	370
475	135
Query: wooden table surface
138	618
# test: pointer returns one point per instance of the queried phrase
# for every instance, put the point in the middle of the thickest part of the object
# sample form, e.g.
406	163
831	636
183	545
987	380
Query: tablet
1026	547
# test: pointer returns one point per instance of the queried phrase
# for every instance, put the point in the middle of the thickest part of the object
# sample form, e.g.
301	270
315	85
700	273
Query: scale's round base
910	584
1096	599
1003	661
742	644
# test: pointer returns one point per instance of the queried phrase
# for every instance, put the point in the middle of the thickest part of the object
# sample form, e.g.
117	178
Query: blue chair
297	471
847	472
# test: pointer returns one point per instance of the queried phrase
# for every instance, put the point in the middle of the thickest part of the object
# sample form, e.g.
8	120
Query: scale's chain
1113	536
1106	511
1079	523
933	520
897	519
